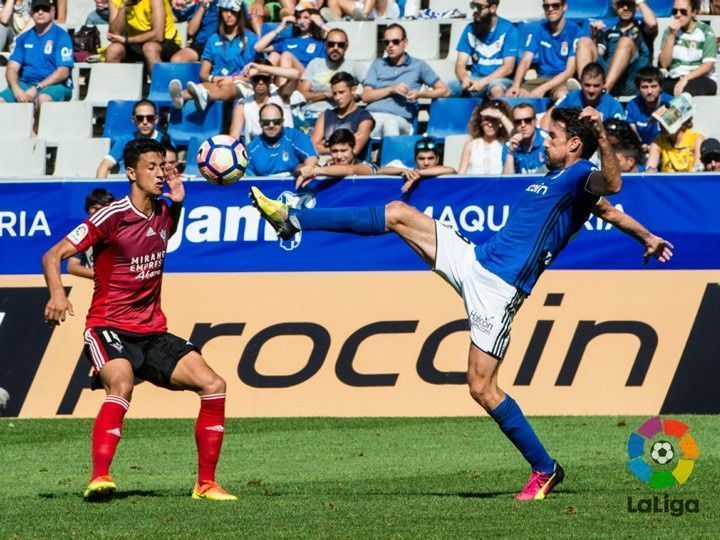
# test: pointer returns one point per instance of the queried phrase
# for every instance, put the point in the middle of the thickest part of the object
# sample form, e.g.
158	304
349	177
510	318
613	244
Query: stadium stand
661	8
18	115
595	9
55	117
401	147
23	158
423	38
515	10
449	116
462	6
77	12
191	166
163	73
78	158
453	150
362	37
114	81
118	119
189	122
707	116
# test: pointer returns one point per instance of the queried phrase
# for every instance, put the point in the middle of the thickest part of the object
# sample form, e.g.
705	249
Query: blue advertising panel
222	232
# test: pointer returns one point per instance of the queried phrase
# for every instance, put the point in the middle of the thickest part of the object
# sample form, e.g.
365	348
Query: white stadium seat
20	117
77	12
362	37
22	157
707	116
457	26
79	158
445	68
3	80
65	120
182	28
423	38
114	81
453	150
519	10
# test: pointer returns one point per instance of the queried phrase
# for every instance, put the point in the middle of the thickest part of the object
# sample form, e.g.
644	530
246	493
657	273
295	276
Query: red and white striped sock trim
212	396
117	400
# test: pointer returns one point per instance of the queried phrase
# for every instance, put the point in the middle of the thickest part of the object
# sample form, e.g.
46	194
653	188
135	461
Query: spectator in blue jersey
40	65
495	277
394	83
346	114
225	56
622	49
524	152
279	151
146	120
489	45
202	19
638	111
591	94
306	41
553	42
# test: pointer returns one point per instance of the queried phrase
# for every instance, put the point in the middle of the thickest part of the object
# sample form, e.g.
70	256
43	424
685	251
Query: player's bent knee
214	385
396	213
123	389
484	393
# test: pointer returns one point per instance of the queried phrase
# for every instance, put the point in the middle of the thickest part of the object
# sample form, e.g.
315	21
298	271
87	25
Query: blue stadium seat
401	147
541	104
449	116
118	120
587	9
661	8
164	72
191	166
189	122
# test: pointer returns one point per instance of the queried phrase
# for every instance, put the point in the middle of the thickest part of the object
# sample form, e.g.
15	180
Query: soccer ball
662	452
222	160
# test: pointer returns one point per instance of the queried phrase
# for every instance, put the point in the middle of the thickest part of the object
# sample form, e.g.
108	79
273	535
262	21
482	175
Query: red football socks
106	433
209	430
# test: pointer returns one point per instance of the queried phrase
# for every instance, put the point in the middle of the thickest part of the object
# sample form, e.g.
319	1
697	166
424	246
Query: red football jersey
129	250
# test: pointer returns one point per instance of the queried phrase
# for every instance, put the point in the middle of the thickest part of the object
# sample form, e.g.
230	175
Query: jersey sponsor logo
48	46
540	189
292	46
66	54
29	45
78	234
117	346
481	323
546	44
147	266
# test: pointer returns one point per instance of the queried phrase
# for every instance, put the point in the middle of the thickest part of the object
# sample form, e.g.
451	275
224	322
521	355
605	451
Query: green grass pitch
346	478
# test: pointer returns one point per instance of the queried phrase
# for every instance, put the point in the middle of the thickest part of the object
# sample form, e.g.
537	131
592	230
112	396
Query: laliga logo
293	200
662	453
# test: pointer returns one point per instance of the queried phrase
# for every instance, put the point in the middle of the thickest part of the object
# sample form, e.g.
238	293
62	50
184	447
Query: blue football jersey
540	224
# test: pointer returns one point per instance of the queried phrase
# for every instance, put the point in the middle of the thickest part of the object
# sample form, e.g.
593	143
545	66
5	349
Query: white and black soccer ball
222	160
4	398
662	452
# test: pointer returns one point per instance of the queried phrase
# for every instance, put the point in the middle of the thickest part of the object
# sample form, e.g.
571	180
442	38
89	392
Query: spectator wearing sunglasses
638	111
279	151
688	51
146	120
489	127
343	161
39	67
710	155
394	83
428	163
553	42
315	81
622	49
141	30
524	153
345	115
489	45
246	112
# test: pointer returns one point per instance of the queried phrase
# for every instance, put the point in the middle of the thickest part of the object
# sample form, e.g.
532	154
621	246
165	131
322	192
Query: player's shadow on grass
121	494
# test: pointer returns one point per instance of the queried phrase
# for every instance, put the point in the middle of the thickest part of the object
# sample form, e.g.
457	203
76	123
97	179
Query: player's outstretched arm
58	306
607	181
655	246
176	195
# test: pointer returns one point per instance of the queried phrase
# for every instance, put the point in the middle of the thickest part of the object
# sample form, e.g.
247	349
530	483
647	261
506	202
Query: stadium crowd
283	77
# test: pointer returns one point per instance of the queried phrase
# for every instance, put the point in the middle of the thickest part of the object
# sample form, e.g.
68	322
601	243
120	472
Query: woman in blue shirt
226	54
306	42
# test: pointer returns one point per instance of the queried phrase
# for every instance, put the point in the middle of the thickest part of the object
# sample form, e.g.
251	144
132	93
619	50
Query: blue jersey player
494	278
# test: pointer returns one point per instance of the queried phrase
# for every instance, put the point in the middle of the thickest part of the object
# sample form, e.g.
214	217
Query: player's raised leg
193	373
117	378
482	382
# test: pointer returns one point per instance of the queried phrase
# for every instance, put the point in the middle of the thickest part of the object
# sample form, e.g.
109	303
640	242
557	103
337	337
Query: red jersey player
126	333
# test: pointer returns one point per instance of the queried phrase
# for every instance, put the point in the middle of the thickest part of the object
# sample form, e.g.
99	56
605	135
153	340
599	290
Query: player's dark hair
630	151
648	74
240	26
142	102
278	107
168	145
475	124
576	127
137	147
695	5
592	70
342	136
343	76
97	196
398	26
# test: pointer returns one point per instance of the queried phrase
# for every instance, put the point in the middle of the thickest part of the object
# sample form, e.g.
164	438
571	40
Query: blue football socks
515	426
367	220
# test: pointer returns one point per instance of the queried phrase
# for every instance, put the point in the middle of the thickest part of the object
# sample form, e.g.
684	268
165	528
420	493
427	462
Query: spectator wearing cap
677	151
305	43
524	153
360	10
315	81
427	160
591	94
279	151
394	83
553	41
621	49
710	155
40	65
345	115
142	30
638	111
688	51
203	20
489	45
146	122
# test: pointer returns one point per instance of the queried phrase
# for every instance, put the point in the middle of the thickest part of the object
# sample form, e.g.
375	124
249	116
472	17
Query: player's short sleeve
64	56
710	46
427	74
585	169
532	40
210	47
463	45
18	54
87	234
371	79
